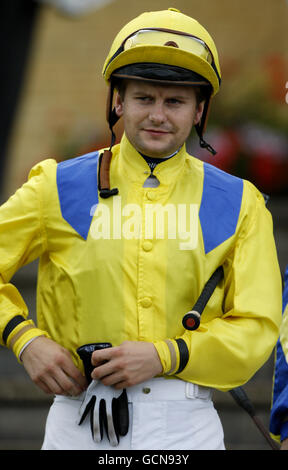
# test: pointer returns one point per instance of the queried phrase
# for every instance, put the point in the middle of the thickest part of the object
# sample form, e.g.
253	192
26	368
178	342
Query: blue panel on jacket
220	206
78	191
278	423
285	292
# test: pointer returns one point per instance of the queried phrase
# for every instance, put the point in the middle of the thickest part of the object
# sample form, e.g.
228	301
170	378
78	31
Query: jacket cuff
21	334
174	355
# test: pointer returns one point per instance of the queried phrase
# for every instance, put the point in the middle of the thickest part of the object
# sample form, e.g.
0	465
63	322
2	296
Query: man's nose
157	113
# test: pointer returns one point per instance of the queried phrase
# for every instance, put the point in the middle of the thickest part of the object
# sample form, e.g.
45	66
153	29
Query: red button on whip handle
191	320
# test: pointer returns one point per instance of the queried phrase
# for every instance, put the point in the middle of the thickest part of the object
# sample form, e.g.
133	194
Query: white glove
108	410
107	406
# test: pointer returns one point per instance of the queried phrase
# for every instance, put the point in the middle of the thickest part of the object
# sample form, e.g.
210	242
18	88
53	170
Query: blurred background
53	103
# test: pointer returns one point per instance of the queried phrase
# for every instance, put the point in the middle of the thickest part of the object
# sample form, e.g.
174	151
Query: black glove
108	407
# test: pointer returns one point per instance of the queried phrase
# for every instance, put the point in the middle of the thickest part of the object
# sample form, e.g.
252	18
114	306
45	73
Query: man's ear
118	105
199	112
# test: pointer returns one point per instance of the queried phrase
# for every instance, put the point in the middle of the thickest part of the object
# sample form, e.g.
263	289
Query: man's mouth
156	131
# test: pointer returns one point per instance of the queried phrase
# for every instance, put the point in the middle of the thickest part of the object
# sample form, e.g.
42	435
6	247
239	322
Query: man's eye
173	101
142	98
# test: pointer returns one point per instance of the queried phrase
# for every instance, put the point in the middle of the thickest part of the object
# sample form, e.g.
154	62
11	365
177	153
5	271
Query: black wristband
11	325
184	354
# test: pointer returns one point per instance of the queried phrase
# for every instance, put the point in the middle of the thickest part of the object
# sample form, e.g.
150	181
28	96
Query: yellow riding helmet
160	46
165	37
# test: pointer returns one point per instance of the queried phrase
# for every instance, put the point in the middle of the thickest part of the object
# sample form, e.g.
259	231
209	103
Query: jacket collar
137	169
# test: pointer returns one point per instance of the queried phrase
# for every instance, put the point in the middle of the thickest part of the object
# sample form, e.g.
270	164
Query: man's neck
154	161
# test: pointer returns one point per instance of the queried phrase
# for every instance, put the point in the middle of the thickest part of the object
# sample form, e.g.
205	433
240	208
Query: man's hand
129	364
50	366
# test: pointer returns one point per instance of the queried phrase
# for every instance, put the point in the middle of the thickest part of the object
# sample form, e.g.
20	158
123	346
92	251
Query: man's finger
104	370
42	385
52	385
102	355
67	384
76	377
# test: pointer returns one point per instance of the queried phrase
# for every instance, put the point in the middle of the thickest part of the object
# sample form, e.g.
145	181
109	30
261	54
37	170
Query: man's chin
153	152
155	147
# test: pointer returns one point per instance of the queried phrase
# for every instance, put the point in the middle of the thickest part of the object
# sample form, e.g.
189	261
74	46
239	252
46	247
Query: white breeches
165	414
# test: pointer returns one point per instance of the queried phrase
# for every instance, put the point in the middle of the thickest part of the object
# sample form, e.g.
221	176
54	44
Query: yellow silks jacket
130	267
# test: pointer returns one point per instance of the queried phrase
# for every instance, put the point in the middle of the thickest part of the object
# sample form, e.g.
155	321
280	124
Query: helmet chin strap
105	157
201	126
203	143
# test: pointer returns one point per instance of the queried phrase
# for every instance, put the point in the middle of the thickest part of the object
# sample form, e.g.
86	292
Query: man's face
157	119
